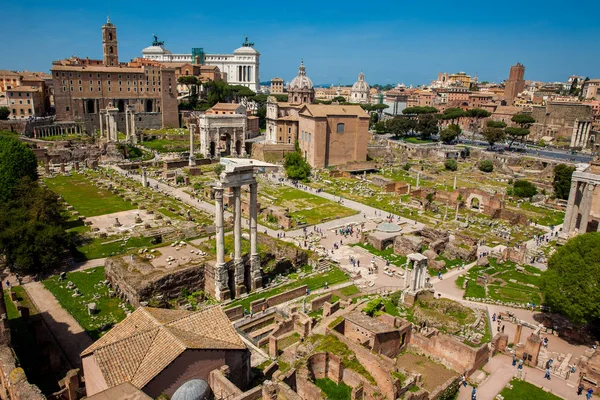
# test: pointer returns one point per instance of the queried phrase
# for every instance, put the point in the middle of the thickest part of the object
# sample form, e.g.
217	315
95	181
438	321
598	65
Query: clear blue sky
391	42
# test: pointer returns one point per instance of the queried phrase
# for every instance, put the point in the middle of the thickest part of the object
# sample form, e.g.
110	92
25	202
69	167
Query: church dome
301	81
194	389
360	85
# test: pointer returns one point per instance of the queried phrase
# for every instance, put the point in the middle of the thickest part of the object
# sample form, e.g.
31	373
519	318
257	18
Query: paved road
71	337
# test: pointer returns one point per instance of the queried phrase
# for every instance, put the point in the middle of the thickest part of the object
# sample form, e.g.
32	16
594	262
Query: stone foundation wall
13	379
142	121
319	302
12	125
258	305
271	152
168	285
455	355
235	313
329	308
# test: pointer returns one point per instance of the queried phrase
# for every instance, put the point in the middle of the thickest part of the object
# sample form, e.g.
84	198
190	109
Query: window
91	88
108	76
289	130
80	89
28	101
79	81
29	110
340	128
67	108
14	110
99	83
20	101
98	75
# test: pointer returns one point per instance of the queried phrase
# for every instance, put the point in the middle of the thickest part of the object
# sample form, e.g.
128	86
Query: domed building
360	92
301	89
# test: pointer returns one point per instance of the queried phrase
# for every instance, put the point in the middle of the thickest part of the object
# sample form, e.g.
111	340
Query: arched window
109	35
110	50
340	128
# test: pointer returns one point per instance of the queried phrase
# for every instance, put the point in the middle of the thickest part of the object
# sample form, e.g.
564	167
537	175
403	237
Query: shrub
522	188
373	306
451	165
406	166
486	166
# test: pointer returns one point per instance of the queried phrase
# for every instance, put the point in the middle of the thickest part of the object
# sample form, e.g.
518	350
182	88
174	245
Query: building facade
276	86
83	87
361	91
583	208
591	89
240	68
564	121
301	89
515	83
25	102
222	131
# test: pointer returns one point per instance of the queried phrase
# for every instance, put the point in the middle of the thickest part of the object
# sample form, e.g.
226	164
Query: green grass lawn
502	289
387	254
168	145
332	390
86	198
288	341
105	247
416	140
540	215
524	390
305	208
313	282
88	283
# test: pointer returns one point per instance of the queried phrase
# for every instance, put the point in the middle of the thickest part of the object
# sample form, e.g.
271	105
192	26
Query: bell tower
109	44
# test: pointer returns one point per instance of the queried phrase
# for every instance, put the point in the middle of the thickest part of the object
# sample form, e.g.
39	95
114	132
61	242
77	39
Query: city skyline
398	45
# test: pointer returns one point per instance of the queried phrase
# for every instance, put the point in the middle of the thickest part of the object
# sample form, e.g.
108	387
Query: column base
257	283
240	290
223	295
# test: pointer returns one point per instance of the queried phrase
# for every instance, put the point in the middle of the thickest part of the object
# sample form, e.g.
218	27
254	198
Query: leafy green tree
219	168
573	89
493	135
17	161
453	114
296	166
477	114
524	120
418	110
523	188
380	127
373	119
495	124
562	180
400	126
4	113
427	125
448	135
32	237
374	107
570	284
486	166
239	91
515	133
451	164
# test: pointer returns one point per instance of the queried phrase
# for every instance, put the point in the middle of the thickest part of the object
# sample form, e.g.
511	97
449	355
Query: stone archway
213	150
225	143
475	202
238	147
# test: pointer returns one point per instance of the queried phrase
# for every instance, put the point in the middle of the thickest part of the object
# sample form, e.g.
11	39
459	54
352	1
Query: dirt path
70	336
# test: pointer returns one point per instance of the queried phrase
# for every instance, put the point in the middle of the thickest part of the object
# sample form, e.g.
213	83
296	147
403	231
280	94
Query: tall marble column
221	275
586	206
192	158
568	222
255	273
238	262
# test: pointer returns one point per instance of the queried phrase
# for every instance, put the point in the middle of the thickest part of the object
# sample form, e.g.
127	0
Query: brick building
160	350
561	120
333	134
515	83
83	87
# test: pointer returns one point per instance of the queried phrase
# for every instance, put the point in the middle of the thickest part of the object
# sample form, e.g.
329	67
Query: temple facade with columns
583	209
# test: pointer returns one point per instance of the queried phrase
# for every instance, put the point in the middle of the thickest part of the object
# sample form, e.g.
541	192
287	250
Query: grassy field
167	145
332	390
105	247
304	207
92	290
86	198
523	390
387	254
540	215
313	282
502	288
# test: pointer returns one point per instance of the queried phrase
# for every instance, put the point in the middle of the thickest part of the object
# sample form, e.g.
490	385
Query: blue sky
391	42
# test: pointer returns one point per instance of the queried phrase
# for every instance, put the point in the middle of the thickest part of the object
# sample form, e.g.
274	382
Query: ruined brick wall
235	313
221	386
142	121
271	152
455	355
388	343
13	378
257	305
317	304
557	119
282	250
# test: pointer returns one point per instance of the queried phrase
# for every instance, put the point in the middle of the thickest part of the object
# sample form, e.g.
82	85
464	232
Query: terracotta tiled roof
226	106
142	345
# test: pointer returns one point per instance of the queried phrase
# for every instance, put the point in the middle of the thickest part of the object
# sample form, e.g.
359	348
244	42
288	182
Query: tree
417	110
400	126
380	127
477	114
570	284
219	168
17	161
373	119
495	124
4	113
515	133
523	188
296	166
486	166
448	135
562	180
451	165
524	120
493	135
453	114
573	89
427	125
